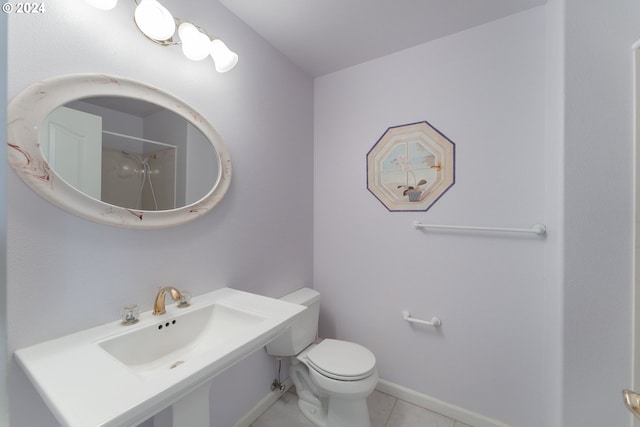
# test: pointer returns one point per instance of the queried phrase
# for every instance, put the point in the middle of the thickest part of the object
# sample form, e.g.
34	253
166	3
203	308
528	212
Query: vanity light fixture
158	24
154	20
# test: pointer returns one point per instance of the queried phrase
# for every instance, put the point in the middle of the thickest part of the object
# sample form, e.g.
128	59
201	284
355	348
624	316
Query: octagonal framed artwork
410	167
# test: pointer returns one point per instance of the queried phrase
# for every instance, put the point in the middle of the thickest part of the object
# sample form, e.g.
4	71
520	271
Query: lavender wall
4	413
554	196
537	103
66	274
485	90
598	242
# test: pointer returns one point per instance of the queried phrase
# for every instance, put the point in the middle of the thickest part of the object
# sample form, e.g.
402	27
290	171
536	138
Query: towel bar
435	321
538	229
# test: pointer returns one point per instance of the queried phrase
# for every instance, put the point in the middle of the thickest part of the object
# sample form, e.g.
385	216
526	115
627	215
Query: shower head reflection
146	175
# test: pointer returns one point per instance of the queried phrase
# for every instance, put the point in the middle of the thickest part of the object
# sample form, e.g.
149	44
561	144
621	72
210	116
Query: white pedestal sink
193	409
115	375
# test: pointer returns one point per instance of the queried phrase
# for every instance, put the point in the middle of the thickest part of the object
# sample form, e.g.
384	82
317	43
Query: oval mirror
116	151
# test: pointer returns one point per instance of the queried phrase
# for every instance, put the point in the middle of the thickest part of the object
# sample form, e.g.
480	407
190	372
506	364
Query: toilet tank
304	331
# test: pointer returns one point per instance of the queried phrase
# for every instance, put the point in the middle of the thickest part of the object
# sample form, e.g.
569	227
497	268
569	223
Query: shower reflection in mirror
138	180
129	166
145	171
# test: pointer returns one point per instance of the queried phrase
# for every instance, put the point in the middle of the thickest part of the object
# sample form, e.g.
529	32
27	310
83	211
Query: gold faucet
176	295
632	401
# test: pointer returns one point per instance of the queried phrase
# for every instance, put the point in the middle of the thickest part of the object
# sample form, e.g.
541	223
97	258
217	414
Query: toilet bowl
333	378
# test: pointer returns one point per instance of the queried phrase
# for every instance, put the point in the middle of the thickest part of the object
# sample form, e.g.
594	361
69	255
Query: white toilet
333	378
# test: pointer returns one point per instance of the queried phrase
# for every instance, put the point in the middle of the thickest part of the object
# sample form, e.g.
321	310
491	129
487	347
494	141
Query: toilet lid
341	360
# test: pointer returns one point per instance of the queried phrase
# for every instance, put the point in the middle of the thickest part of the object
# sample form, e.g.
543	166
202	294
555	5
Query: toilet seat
341	360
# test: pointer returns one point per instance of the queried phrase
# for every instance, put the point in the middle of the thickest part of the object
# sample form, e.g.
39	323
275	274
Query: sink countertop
84	386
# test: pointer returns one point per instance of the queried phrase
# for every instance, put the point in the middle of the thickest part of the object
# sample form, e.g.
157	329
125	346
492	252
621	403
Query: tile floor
384	411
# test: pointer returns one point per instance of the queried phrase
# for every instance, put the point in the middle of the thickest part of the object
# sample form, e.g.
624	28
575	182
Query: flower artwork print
410	167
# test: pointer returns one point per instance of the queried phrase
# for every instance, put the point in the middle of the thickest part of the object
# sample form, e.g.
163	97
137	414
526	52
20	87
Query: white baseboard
435	405
264	404
419	399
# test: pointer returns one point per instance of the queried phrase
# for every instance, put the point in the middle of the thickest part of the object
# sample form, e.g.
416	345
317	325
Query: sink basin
171	342
114	375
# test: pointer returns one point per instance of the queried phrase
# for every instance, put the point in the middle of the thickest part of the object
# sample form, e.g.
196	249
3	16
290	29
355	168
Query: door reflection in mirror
71	142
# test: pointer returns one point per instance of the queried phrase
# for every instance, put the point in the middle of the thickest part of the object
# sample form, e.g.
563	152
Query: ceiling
132	106
323	36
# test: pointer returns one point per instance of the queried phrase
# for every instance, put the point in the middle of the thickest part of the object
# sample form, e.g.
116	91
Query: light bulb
195	44
103	4
223	57
154	20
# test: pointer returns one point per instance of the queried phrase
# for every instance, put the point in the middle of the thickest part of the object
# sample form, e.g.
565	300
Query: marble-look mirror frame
29	108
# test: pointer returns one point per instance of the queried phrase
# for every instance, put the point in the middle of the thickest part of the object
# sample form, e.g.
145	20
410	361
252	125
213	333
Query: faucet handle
130	314
185	300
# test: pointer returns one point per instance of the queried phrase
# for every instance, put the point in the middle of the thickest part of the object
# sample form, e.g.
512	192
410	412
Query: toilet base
317	415
348	413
